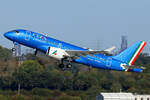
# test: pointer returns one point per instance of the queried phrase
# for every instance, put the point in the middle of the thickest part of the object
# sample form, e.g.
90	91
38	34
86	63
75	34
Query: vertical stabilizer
130	54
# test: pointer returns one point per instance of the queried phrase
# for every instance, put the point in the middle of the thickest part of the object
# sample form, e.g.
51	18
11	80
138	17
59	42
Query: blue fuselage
100	61
39	41
42	42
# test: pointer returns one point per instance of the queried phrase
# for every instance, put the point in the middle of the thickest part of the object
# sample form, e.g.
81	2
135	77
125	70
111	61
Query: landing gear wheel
69	66
13	49
61	66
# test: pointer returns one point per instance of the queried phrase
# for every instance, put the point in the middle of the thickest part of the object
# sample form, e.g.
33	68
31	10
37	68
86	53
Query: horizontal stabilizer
138	70
134	68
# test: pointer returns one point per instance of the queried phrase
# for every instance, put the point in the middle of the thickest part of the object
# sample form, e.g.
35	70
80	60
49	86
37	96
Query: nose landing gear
13	49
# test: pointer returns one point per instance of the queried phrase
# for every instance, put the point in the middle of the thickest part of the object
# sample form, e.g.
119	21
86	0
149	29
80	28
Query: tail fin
129	55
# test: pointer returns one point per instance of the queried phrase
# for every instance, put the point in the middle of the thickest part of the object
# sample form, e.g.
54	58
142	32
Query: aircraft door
27	35
109	62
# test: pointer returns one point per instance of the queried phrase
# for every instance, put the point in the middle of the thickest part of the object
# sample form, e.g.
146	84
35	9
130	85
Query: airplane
63	51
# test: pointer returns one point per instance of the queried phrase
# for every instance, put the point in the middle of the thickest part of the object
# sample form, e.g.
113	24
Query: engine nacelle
56	53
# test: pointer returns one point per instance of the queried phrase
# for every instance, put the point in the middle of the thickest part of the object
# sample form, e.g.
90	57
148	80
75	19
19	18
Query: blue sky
80	22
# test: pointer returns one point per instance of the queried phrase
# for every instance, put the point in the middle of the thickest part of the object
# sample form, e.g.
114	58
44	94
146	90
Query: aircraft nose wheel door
27	35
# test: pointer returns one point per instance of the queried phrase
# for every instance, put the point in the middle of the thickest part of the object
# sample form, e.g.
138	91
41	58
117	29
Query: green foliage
27	74
40	79
38	98
19	97
81	82
41	92
66	97
30	66
2	97
5	54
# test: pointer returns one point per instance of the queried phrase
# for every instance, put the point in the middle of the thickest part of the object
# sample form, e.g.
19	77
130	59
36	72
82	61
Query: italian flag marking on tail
136	53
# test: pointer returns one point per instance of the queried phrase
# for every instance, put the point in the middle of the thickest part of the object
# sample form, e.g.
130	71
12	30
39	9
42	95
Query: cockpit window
15	31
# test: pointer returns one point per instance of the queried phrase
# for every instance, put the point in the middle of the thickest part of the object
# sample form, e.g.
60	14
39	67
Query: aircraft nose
7	34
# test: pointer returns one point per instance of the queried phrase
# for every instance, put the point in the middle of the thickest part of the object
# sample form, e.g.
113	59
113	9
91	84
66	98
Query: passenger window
63	47
37	36
40	37
33	35
54	43
44	38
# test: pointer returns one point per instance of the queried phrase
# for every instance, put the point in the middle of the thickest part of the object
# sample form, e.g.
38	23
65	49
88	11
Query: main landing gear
61	66
65	64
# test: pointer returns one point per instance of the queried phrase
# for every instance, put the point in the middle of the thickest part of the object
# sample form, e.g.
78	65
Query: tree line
39	78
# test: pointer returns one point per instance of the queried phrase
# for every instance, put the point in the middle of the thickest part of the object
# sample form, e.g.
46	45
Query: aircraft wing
109	50
90	52
84	53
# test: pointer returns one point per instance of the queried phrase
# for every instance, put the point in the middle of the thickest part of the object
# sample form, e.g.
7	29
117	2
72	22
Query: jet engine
57	53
